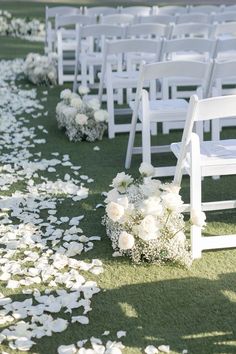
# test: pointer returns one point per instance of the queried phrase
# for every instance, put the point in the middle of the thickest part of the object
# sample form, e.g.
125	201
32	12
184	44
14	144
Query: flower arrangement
144	219
41	69
20	27
81	116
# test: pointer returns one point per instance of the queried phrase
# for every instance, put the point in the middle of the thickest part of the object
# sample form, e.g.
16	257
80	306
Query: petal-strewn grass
190	309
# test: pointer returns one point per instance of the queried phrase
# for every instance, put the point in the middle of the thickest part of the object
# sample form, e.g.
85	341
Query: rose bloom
146	169
198	218
126	241
114	211
151	187
152	206
83	90
94	104
81	119
148	228
101	115
172	202
65	94
112	196
76	102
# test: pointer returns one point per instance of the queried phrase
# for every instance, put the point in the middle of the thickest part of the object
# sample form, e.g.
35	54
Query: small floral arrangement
81	116
20	27
41	69
144	219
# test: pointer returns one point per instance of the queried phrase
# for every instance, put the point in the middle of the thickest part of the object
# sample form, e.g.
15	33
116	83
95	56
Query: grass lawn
191	309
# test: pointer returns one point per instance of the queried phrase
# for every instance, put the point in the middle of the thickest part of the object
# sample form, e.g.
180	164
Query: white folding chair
195	49
67	29
172	10
229	8
100	10
191	30
224	30
162	19
193	18
136	10
142	31
117	19
50	16
91	58
229	16
208	158
207	9
225	49
223	76
121	79
166	109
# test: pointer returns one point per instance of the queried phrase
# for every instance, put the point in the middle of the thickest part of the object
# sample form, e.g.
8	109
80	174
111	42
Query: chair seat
160	110
213	153
96	58
125	79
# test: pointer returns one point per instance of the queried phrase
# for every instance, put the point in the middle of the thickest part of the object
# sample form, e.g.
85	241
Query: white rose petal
126	241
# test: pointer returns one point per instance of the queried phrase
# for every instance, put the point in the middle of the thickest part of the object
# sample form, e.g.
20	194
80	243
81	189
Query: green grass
187	309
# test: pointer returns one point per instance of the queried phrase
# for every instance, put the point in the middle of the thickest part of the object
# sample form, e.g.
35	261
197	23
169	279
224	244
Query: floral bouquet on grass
81	116
41	69
144	219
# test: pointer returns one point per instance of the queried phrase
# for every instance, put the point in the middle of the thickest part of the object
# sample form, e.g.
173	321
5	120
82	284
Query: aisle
48	287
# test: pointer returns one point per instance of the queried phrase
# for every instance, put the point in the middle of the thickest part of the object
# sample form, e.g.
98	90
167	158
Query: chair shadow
190	313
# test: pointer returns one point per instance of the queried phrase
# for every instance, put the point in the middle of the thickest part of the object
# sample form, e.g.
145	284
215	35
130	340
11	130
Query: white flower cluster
144	219
81	116
20	27
41	69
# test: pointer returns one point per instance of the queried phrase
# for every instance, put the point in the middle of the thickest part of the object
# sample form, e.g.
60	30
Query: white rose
170	187
198	218
148	228
94	104
146	169
81	119
126	241
151	187
152	206
121	182
101	115
65	94
76	102
83	90
114	211
124	201
38	71
112	196
172	202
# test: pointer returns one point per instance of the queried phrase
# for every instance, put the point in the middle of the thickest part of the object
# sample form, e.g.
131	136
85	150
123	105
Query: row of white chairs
52	24
81	40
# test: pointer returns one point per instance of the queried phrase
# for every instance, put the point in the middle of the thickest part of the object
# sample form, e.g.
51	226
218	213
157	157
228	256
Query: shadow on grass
190	313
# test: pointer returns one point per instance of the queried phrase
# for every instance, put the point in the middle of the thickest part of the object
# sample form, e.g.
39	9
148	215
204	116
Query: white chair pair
50	17
191	30
67	30
121	78
201	159
90	58
150	110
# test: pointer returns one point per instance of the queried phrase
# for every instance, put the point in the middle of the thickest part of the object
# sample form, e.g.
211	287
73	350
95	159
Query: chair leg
146	138
195	199
83	73
110	109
